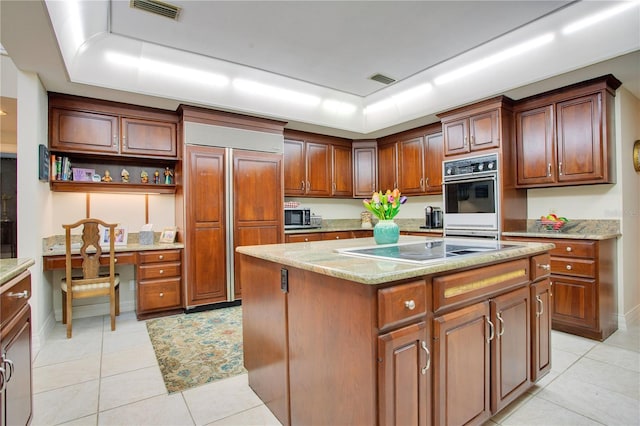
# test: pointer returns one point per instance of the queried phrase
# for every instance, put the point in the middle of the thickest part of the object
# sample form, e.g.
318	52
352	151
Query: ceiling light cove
598	17
275	93
168	69
403	98
338	107
495	59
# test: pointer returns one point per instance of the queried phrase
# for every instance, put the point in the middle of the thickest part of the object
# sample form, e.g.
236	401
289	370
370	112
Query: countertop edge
562	235
320	257
51	251
11	268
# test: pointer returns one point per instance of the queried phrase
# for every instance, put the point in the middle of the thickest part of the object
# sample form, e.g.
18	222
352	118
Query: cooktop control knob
449	171
490	165
481	166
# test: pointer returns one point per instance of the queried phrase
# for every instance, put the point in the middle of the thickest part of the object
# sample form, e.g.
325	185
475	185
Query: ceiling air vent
158	7
382	79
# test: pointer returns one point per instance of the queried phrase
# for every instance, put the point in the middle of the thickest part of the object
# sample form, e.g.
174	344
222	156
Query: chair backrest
90	251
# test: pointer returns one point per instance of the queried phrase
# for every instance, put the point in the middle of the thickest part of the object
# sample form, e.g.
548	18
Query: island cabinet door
404	374
461	369
511	347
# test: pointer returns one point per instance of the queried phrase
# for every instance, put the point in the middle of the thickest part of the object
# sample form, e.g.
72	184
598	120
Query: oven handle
452	179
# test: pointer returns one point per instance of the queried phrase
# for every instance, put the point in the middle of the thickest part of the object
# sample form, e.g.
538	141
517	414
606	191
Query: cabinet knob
161	294
545	266
410	304
337	237
569	267
161	257
569	249
306	240
161	271
115	260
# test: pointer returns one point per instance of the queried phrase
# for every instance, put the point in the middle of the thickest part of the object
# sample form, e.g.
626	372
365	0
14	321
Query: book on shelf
60	168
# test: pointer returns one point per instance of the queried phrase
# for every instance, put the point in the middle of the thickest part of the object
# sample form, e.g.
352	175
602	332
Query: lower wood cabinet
404	384
327	235
15	352
483	358
583	289
159	283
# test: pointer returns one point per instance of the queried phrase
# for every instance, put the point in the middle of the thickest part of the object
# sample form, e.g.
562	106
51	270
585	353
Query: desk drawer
159	256
157	295
573	267
402	302
15	295
59	262
159	270
570	248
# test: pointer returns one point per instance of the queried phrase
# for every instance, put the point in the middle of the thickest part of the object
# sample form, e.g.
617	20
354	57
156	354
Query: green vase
386	232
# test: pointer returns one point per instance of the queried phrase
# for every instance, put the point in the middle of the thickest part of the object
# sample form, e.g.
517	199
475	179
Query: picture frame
168	235
121	236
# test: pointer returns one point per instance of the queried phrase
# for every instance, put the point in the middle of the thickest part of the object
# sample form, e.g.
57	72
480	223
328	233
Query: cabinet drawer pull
302	187
410	304
560	168
569	267
545	266
161	294
3	382
21	295
8	369
160	257
426	367
541	307
549	169
569	249
550	288
501	324
491	330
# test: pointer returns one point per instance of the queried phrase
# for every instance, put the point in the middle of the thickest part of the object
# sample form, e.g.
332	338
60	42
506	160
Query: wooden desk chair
91	283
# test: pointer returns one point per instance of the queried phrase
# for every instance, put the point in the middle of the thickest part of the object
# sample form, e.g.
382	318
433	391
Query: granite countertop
575	229
59	249
321	257
10	268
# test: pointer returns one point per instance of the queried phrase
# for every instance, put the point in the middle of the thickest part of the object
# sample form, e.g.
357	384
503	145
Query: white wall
627	132
34	207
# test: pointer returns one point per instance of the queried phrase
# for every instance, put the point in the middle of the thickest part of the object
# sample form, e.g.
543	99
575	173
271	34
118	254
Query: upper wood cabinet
365	168
476	127
341	171
565	137
317	165
108	136
89	126
419	160
388	166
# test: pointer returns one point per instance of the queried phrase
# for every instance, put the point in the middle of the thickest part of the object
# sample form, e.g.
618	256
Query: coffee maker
433	217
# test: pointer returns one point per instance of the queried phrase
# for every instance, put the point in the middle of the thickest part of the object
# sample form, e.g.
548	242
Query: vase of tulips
385	206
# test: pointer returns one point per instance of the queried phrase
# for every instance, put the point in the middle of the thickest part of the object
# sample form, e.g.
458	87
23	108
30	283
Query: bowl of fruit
551	222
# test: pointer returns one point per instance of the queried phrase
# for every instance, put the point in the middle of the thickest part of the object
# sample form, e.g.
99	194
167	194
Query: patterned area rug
198	348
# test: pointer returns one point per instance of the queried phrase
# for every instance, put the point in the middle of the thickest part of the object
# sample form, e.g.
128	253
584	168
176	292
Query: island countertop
321	257
13	267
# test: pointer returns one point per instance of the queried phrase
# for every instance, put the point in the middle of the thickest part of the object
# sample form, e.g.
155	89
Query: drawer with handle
540	266
15	294
401	303
572	248
573	267
159	256
159	270
159	295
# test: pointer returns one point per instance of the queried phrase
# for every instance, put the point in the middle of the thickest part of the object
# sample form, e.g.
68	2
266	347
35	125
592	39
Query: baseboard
212	306
39	337
631	317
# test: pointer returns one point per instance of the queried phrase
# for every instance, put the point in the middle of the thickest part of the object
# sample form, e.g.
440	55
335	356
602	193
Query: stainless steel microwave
297	218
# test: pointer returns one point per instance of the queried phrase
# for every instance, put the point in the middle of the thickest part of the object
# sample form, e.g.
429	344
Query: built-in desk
158	273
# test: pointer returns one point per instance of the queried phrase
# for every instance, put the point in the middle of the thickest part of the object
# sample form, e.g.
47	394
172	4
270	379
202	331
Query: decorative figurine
125	175
107	176
168	175
144	177
156	177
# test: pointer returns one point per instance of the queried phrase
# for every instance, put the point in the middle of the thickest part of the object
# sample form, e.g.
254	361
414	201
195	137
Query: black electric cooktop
429	251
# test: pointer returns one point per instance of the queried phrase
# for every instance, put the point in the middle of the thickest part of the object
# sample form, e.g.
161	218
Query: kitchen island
334	338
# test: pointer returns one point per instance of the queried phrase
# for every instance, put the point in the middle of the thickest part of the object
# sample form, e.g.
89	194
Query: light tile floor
100	377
